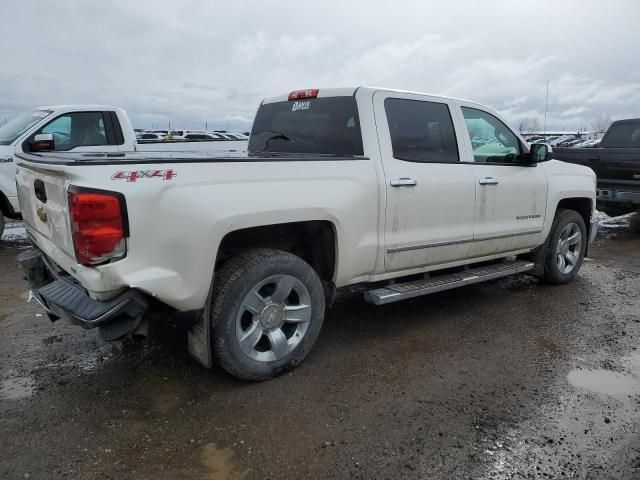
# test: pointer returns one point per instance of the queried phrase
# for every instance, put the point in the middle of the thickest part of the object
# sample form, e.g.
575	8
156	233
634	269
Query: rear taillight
98	225
302	94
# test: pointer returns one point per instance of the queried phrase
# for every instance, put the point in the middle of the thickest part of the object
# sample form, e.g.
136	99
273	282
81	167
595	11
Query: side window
421	131
60	128
492	141
77	129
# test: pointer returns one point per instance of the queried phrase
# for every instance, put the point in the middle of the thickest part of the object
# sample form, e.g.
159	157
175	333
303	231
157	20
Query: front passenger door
510	196
80	132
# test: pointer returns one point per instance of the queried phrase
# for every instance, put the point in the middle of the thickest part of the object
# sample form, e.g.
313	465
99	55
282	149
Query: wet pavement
510	379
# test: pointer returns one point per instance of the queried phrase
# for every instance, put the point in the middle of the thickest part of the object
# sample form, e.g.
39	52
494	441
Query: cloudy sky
196	61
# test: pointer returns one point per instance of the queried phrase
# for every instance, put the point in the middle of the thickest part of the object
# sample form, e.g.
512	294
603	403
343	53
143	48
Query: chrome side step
416	288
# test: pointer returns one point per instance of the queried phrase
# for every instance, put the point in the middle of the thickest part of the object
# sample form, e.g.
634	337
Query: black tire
552	272
235	280
634	222
1	224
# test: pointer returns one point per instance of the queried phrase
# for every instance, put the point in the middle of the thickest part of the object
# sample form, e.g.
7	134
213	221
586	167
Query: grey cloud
191	62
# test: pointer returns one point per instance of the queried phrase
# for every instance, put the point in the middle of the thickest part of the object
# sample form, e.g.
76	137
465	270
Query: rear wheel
566	247
267	313
634	223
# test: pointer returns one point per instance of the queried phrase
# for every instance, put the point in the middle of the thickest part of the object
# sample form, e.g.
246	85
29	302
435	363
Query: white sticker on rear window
301	106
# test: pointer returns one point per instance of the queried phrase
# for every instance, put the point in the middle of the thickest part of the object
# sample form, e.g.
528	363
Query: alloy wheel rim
273	318
569	248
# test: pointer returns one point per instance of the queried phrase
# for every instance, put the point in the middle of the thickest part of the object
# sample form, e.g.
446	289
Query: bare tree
528	125
602	123
535	125
523	125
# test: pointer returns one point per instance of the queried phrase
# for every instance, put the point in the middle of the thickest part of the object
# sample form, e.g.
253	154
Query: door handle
403	182
488	181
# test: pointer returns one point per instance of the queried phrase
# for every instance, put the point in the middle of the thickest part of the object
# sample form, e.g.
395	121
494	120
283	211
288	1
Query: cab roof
350	91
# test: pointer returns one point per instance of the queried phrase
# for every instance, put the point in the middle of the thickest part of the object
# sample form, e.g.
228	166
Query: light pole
546	107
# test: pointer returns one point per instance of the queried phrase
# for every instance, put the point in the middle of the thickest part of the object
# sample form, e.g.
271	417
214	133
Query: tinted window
77	129
421	131
623	135
492	141
319	125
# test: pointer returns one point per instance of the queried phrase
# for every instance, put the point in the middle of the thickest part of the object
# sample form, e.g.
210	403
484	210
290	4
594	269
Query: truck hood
559	167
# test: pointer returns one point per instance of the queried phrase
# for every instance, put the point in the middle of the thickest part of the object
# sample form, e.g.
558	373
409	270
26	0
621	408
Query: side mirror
42	142
540	152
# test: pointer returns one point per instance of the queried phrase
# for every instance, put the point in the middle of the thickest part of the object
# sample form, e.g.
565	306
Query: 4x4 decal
134	175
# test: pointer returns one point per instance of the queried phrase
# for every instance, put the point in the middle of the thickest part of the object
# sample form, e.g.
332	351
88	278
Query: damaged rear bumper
61	297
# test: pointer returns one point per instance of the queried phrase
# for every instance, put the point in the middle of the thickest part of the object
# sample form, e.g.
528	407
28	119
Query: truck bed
608	163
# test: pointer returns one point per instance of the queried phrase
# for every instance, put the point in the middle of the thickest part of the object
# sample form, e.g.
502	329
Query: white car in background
78	129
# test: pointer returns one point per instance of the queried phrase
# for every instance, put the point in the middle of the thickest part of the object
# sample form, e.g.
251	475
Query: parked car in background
201	136
150	136
616	161
339	187
588	144
564	138
572	142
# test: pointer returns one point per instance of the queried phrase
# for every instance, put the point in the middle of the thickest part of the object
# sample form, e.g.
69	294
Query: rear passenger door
430	203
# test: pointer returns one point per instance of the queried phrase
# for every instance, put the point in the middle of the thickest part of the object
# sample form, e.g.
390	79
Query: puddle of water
605	381
219	462
16	388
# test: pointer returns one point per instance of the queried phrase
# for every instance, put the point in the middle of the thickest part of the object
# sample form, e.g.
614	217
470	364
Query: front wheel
1	223
566	247
268	308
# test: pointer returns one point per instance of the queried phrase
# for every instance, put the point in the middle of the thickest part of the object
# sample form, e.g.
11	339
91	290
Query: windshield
16	127
327	126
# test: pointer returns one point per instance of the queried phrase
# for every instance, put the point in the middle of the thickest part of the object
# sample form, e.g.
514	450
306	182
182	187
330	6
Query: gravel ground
510	379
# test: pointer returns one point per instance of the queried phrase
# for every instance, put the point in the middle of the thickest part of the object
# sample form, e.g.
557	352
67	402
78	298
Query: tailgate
619	164
42	192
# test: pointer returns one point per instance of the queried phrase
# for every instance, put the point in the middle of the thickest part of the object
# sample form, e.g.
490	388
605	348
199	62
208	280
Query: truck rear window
328	126
623	135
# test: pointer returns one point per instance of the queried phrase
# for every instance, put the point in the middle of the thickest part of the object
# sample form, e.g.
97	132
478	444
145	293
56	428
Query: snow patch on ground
605	221
14	232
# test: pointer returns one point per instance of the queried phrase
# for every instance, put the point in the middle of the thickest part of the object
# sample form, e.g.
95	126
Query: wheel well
313	241
581	205
5	207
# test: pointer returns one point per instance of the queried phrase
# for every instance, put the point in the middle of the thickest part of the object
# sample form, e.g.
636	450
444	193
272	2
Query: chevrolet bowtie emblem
42	214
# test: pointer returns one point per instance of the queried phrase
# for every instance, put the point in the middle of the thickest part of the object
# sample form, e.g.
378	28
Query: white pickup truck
340	187
76	128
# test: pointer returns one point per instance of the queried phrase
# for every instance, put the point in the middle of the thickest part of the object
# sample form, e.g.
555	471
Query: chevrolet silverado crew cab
74	128
616	163
339	187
